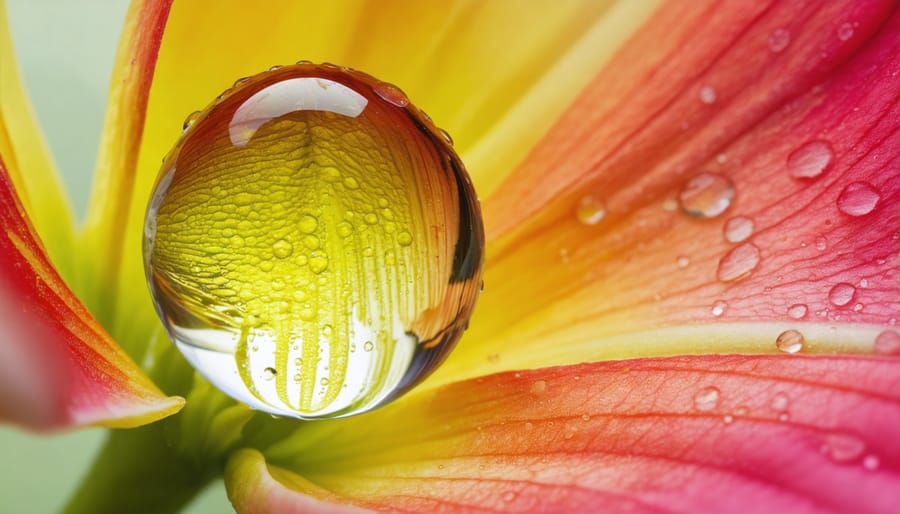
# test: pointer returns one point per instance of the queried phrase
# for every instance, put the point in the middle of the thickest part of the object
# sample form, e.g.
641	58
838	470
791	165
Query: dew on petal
738	263
887	343
780	402
707	399
738	229
841	294
858	199
708	94
683	261
821	243
810	160
706	195
539	386
790	341
590	210
190	119
779	39
719	307
845	31
272	215
842	447
797	311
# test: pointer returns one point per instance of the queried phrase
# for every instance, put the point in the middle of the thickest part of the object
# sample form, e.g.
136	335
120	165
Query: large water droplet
810	160
707	399
779	39
738	229
841	294
858	199
887	343
790	341
293	160
738	263
706	195
590	210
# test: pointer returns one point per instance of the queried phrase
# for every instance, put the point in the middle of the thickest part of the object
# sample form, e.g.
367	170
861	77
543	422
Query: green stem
138	471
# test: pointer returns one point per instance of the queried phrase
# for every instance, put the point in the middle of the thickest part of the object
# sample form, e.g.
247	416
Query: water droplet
719	307
669	204
539	386
391	93
269	189
728	419
707	399
741	410
779	39
842	447
858	199
282	249
841	294
509	496
810	160
708	94
706	195
683	261
738	229
797	311
780	402
738	263
821	243
845	31
790	341
190	119
590	210
887	343
585	417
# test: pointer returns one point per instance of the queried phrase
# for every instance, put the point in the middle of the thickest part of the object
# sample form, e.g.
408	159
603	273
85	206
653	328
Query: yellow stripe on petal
28	161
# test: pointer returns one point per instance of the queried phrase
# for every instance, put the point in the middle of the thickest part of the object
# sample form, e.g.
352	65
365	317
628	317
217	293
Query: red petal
58	367
686	434
701	89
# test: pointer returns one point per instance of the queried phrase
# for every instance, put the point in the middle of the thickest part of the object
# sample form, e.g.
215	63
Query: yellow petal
28	161
493	74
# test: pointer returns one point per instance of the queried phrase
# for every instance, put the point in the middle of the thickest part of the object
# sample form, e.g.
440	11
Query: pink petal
683	434
58	367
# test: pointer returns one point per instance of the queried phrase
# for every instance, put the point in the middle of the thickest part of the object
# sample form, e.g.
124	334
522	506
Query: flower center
313	244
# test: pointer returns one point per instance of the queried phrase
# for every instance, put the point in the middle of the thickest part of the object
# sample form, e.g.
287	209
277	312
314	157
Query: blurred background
65	50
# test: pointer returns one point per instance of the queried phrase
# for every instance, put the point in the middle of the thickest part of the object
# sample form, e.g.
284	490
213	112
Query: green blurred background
66	50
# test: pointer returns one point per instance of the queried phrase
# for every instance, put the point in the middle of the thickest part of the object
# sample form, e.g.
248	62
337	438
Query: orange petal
58	368
684	434
589	254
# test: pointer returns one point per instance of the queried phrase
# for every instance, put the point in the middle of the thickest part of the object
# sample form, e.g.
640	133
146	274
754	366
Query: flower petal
683	434
58	368
761	94
28	159
466	63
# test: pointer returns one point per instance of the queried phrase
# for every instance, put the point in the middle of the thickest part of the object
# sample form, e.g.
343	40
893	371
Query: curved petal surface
28	160
708	191
58	367
810	434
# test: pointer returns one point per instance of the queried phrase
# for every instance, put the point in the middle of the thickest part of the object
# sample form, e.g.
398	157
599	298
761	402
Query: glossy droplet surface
707	399
313	245
706	195
797	311
779	39
708	95
738	229
790	341
738	263
810	160
718	308
858	199
887	343
841	294
590	210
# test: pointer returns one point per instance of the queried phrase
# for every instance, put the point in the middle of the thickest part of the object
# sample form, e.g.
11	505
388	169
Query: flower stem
139	471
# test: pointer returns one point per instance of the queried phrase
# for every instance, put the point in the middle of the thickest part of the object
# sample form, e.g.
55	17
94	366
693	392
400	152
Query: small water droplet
821	243
810	160
845	31
871	462
509	496
843	447
779	39
190	119
780	402
790	341
728	419
797	311
585	417
539	386
719	307
706	195
683	261
369	346
669	204
708	95
858	199
590	210
324	381
446	136
737	229
282	249
738	263
269	373
391	93
707	399
741	410
887	343
841	294
784	417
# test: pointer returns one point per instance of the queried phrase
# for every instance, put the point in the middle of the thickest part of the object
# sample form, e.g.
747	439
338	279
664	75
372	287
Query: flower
624	356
